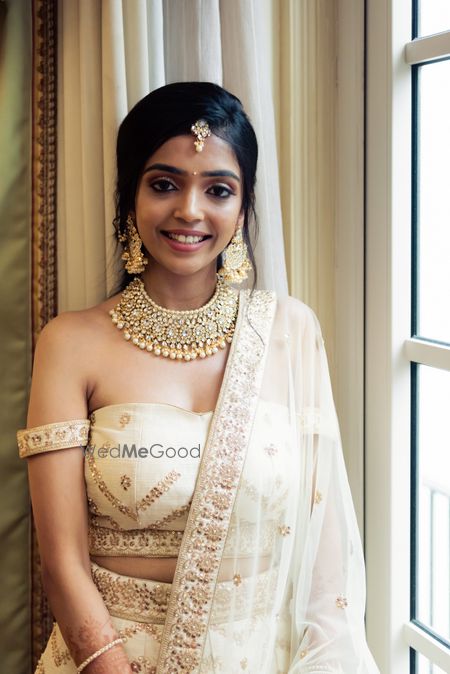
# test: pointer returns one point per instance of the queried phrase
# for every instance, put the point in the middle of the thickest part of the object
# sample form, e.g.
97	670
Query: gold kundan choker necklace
171	333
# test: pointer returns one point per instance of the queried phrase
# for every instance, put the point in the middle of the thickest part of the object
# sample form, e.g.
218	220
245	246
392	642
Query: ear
240	220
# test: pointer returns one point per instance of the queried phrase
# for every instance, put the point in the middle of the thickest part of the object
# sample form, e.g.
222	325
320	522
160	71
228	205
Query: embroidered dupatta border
203	542
43	299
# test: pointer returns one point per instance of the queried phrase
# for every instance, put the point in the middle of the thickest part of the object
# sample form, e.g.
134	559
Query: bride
186	474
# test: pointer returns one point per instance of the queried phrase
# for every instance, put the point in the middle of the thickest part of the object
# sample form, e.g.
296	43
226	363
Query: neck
174	291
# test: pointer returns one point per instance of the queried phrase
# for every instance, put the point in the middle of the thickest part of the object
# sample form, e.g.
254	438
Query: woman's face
183	191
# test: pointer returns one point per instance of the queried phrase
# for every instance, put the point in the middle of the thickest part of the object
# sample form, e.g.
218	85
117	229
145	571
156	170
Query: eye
220	191
162	185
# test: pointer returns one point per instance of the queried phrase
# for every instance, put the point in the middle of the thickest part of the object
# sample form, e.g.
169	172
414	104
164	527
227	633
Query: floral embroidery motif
143	665
341	601
271	450
48	437
125	419
92	419
133	598
244	663
303	654
152	630
125	482
237	580
318	497
284	529
217	481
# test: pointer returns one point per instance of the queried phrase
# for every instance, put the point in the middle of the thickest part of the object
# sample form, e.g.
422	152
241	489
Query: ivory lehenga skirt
138	608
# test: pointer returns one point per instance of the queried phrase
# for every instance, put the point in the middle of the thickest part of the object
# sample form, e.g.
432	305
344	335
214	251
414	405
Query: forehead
180	151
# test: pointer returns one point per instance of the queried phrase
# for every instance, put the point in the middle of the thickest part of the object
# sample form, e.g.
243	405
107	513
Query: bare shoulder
75	329
65	363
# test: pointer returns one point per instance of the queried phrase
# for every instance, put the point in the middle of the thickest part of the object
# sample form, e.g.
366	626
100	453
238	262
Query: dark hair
170	111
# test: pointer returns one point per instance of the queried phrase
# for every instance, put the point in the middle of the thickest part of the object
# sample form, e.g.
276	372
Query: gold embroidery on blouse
133	542
60	656
124	419
237	580
95	513
218	480
125	482
174	515
101	484
59	435
158	490
92	419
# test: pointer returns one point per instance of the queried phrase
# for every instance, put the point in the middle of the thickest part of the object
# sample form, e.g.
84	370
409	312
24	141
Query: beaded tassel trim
175	334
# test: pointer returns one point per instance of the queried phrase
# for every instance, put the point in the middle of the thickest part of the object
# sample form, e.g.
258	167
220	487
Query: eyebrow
220	173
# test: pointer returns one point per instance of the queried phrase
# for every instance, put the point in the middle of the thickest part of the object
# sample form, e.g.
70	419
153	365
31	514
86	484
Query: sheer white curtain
113	52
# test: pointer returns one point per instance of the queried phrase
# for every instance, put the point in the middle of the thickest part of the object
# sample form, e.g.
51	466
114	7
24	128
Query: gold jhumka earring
133	256
236	261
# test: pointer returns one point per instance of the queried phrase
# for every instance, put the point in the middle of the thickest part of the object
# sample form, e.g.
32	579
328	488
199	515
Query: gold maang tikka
236	261
133	256
201	130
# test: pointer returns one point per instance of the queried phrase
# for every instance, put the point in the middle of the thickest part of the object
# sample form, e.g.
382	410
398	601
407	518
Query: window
430	329
408	334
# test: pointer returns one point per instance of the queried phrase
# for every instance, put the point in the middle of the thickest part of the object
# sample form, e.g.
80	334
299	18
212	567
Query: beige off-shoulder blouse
141	466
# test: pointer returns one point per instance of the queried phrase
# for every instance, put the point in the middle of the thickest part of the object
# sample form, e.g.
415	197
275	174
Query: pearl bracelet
88	660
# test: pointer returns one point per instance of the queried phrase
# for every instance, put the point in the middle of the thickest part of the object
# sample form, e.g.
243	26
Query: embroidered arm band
60	435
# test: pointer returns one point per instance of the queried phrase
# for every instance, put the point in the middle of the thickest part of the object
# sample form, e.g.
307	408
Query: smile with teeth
185	239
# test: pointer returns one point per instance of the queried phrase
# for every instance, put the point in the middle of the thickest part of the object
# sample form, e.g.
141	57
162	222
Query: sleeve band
59	435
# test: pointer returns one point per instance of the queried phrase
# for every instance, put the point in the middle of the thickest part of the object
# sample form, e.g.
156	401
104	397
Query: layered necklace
175	334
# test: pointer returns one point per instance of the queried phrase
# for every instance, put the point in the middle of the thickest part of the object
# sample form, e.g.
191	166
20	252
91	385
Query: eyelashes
164	186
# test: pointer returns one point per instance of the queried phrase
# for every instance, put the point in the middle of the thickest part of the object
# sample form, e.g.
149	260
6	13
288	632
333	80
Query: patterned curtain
28	299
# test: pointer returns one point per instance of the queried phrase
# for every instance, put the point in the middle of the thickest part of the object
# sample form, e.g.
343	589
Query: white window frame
389	347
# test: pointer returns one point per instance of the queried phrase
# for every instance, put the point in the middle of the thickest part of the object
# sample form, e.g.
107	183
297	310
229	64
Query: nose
188	206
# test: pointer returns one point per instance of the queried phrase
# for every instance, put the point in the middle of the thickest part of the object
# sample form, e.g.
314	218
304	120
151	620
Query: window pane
434	201
424	666
433	491
434	16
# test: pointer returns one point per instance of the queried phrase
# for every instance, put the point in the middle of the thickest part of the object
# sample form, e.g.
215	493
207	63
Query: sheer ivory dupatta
272	488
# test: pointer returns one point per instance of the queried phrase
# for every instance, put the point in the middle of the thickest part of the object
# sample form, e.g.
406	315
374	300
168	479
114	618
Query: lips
184	232
183	246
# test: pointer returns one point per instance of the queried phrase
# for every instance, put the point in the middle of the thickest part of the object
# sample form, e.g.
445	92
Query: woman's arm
59	392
